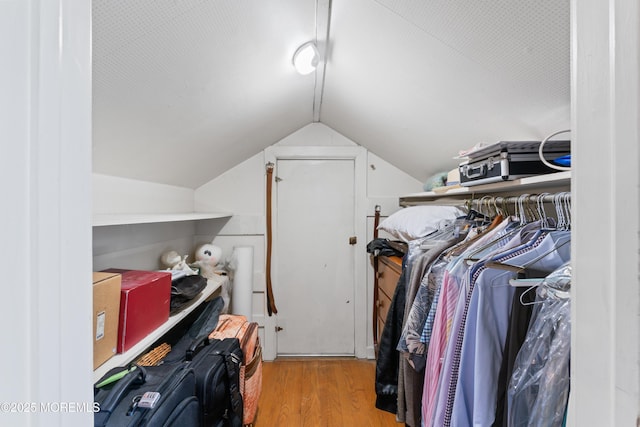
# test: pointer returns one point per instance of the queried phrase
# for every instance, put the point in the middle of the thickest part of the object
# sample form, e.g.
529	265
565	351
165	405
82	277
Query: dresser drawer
384	302
389	269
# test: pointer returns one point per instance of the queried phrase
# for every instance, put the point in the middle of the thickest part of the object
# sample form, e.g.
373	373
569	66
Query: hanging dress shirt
443	316
410	381
411	342
486	327
449	371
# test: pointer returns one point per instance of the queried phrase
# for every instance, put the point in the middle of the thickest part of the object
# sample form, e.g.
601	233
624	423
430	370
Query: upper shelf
550	182
101	220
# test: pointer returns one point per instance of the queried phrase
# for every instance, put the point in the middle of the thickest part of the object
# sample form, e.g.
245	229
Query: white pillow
416	222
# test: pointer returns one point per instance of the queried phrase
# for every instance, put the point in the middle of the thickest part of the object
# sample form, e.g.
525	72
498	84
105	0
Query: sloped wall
116	195
139	246
241	191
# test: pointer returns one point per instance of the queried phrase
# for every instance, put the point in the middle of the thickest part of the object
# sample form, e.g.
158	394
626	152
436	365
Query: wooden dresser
389	269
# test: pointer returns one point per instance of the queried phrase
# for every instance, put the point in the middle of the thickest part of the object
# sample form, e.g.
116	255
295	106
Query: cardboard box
145	297
106	311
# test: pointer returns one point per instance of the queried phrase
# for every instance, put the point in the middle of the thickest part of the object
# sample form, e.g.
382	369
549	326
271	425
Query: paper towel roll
242	292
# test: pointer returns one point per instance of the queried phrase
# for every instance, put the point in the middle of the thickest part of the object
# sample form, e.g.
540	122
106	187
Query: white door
314	287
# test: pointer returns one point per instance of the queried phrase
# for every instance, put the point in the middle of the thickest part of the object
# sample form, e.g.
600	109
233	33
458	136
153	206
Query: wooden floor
323	392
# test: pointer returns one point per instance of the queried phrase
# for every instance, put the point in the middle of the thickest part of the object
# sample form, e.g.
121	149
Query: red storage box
144	304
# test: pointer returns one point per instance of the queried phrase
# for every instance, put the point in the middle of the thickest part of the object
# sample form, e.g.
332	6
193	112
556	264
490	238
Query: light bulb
306	58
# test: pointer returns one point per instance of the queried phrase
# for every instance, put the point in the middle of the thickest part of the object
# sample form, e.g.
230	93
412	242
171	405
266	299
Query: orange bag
237	326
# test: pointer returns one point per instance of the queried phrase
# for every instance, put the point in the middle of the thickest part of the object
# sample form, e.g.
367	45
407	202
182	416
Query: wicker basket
155	356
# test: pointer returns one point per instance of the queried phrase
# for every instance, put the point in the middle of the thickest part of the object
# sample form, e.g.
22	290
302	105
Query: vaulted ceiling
183	90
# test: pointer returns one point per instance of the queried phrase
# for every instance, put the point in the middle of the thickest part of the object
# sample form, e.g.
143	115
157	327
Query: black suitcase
121	405
509	160
216	364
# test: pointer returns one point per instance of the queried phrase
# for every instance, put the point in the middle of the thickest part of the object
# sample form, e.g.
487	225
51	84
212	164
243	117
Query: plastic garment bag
539	385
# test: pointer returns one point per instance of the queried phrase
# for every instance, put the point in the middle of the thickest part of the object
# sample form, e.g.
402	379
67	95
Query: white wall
241	190
45	136
605	316
47	227
140	246
115	195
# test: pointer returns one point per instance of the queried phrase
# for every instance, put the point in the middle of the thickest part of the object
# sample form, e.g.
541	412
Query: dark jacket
388	360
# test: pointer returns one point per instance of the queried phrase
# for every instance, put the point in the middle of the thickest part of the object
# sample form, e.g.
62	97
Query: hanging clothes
465	328
411	383
443	398
411	340
417	307
487	323
413	271
539	386
390	387
387	364
437	333
521	312
526	237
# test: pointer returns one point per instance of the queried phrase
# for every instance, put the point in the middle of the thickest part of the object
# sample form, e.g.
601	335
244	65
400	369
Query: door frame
359	157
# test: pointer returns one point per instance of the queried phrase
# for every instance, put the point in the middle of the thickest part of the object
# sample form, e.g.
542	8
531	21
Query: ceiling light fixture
306	58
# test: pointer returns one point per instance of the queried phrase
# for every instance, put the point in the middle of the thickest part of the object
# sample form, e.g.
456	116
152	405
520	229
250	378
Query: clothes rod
525	198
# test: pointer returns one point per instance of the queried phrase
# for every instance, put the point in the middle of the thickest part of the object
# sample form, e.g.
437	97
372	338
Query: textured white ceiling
186	89
183	90
416	81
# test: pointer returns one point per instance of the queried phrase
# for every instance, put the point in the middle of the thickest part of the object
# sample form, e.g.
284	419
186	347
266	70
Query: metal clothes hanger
567	205
519	206
460	247
551	289
482	217
527	291
540	208
521	269
562	203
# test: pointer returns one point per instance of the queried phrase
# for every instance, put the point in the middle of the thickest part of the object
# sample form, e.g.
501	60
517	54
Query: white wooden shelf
122	359
101	220
559	181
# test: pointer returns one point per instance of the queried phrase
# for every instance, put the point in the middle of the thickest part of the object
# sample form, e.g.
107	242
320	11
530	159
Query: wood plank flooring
320	392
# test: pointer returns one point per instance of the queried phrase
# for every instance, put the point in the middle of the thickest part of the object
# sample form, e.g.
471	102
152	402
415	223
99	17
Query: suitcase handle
468	171
252	365
193	349
121	388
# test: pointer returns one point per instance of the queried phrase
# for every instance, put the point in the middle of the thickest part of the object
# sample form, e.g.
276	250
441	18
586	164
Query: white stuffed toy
208	256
